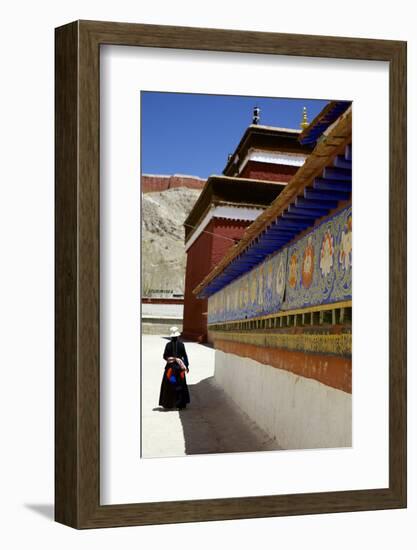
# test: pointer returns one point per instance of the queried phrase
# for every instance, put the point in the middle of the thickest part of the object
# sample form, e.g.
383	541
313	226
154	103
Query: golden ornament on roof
304	123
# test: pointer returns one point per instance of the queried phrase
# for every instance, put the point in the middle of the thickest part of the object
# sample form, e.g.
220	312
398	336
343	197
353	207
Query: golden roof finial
304	123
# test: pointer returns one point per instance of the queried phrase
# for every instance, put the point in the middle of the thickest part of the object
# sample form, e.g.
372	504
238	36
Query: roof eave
338	137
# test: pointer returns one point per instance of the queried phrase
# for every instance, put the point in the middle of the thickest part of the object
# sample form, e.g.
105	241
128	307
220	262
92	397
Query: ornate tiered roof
265	138
237	192
321	185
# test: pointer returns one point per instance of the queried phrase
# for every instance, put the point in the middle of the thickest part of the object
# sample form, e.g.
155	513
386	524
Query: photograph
246	274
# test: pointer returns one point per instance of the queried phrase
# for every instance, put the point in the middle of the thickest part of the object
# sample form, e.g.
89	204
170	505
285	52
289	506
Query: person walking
174	390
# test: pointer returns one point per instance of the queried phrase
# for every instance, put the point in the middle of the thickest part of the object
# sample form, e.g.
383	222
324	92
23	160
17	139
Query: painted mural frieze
326	253
317	269
307	270
293	270
280	277
345	254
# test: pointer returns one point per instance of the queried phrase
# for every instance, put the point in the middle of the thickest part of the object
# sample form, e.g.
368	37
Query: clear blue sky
193	134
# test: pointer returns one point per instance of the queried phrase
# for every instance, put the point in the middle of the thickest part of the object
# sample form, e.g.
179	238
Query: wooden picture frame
77	372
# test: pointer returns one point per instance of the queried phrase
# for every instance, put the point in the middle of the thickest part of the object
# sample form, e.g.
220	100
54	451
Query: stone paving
212	422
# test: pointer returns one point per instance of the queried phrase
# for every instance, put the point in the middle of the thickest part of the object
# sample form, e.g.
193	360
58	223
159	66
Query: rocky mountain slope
163	250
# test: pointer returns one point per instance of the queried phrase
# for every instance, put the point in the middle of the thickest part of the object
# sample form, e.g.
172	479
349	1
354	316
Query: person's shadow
213	423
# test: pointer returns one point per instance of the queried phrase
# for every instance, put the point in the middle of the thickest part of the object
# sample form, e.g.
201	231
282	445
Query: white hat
174	332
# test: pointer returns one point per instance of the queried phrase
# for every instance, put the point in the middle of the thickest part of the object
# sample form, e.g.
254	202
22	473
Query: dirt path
212	422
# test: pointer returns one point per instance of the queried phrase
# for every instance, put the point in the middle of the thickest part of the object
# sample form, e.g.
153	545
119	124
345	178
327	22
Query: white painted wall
299	412
163	310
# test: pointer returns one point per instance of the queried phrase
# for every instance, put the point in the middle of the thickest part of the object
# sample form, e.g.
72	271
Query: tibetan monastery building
280	300
264	161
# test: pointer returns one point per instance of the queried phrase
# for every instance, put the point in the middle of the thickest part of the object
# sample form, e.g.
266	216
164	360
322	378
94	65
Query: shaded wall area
299	412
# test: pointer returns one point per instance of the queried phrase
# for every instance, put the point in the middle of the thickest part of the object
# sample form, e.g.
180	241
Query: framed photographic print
221	196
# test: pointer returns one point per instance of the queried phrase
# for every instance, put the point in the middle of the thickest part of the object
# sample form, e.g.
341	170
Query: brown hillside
163	250
151	183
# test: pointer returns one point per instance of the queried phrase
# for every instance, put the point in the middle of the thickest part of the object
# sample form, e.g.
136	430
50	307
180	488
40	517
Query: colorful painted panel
259	292
315	270
320	264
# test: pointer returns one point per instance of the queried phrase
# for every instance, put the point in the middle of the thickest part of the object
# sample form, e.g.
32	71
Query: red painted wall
267	171
331	370
202	256
151	184
198	265
231	229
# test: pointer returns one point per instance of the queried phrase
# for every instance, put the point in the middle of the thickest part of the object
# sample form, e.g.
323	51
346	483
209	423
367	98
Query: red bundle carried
171	376
178	369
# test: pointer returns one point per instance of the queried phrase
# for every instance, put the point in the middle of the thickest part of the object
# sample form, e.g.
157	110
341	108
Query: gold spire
304	123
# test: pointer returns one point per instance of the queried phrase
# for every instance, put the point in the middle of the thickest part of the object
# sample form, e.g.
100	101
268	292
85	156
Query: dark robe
174	394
